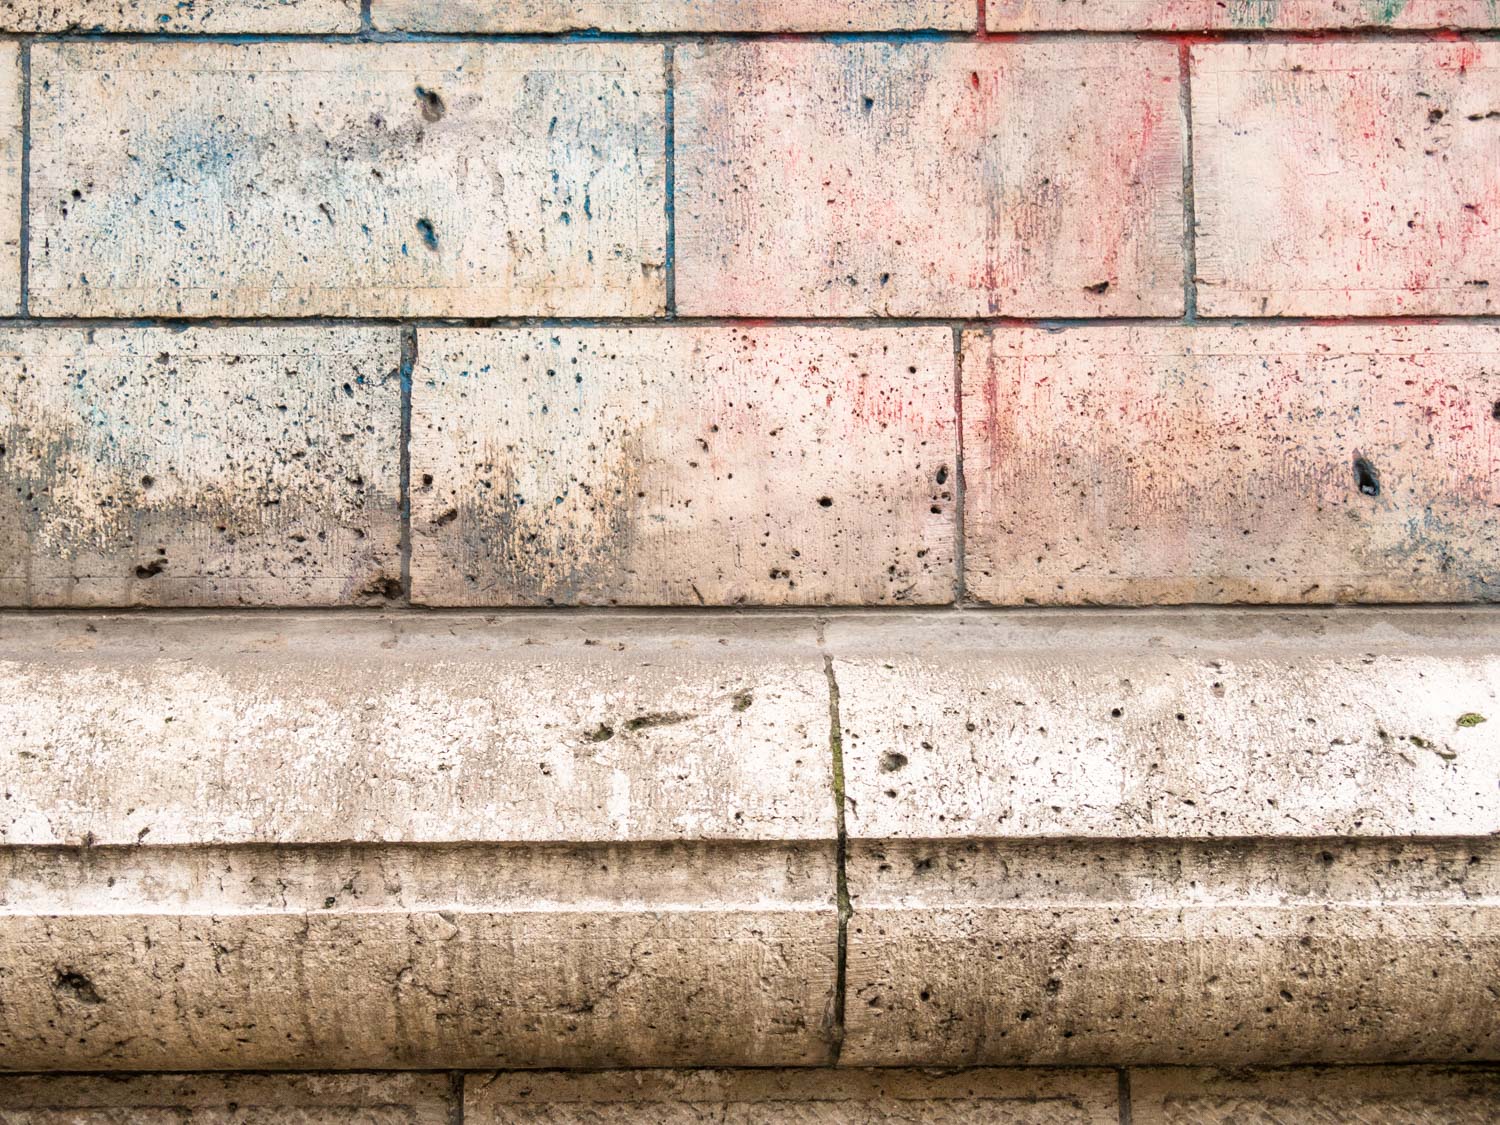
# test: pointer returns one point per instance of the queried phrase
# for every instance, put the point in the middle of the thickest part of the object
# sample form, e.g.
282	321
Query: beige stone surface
155	16
1346	178
416	956
10	178
929	179
390	179
1210	724
289	728
1254	463
683	466
1414	1095
216	1099
211	466
674	15
1117	952
1195	15
738	1097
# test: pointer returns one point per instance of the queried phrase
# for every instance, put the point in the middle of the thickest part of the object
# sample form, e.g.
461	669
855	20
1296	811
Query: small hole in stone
1366	477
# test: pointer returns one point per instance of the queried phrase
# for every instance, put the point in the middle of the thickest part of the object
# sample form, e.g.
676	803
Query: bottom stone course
1395	1095
1399	1095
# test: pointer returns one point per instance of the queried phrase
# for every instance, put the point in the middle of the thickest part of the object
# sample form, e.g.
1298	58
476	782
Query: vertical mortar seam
366	17
670	181
456	1081
841	878
960	578
1189	210
23	296
408	370
1122	1096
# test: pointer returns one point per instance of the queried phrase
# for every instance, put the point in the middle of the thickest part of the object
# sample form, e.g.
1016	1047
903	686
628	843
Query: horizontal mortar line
865	904
178	323
577	36
968	611
771	847
143	908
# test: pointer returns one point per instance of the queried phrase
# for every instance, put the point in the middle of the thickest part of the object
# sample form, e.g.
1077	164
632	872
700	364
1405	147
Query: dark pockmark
1495	410
942	475
428	233
433	108
1099	288
825	501
76	986
1365	476
893	760
602	733
151	569
742	700
656	719
446	518
382	587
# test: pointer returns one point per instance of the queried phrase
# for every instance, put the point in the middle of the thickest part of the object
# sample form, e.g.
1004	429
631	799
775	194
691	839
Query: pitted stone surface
216	1099
1118	952
1247	464
217	16
1346	179
1003	1097
688	466
416	956
929	179
211	466
1369	1095
283	729
347	179
674	15
11	93
1234	15
1213	724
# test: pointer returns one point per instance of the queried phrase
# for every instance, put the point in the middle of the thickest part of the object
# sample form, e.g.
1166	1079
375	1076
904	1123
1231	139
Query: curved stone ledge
301	841
305	958
1228	952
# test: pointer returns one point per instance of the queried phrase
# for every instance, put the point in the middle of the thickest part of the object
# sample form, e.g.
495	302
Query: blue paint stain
428	233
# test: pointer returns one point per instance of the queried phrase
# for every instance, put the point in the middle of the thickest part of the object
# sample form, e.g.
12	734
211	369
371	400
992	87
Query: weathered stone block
683	466
1255	464
392	179
10	178
1213	15
1377	1096
416	956
217	1099
1337	179
221	16
1004	1097
929	179
1151	838
281	729
1213	725
212	466
1230	952
674	15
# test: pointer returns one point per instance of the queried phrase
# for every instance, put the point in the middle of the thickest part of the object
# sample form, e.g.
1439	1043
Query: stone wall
547	540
